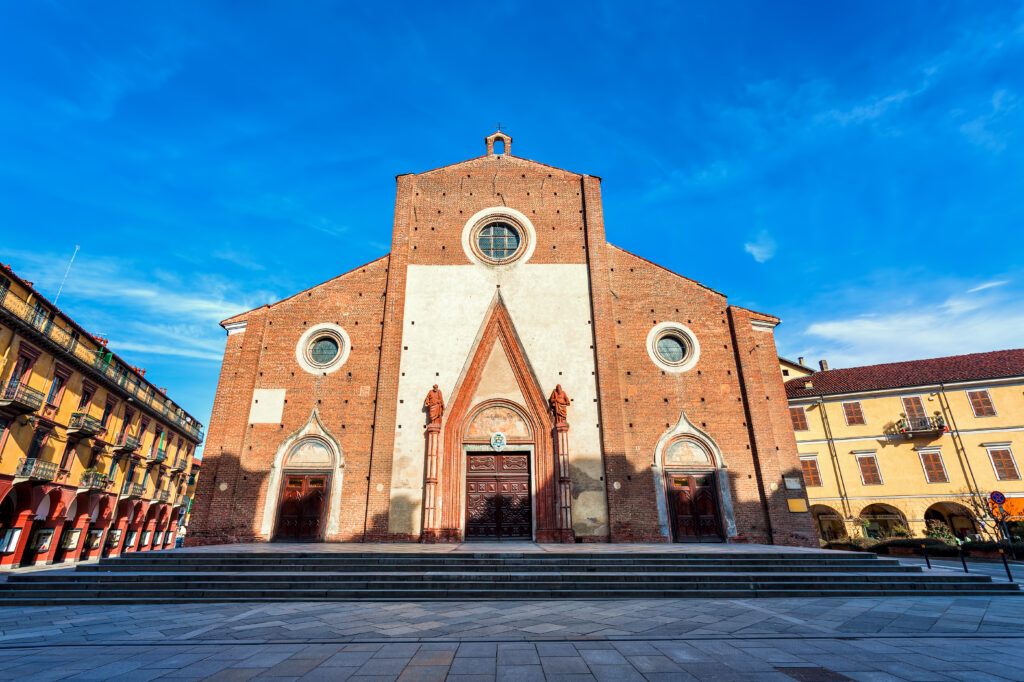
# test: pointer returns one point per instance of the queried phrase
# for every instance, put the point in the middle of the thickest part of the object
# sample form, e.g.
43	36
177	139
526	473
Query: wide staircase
235	576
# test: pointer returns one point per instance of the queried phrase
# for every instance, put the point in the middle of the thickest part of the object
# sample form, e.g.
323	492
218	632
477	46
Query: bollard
1002	555
926	559
962	559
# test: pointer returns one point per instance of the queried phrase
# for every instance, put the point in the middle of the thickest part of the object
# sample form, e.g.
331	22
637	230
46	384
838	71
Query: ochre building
94	459
503	373
912	443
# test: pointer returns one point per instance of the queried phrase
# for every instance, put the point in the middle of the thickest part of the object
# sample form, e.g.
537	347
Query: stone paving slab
925	638
528	620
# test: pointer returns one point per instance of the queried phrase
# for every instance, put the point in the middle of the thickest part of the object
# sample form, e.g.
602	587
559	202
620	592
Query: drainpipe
834	454
961	451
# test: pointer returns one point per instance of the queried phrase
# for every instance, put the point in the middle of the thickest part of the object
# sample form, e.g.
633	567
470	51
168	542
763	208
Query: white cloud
762	248
912	331
988	285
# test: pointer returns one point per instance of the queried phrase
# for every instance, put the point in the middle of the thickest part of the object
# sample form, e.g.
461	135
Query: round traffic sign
997	497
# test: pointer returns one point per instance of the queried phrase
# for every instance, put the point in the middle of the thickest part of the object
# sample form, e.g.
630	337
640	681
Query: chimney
823	364
800	360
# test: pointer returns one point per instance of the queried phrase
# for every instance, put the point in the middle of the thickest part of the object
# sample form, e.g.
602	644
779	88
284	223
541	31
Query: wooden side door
693	507
301	508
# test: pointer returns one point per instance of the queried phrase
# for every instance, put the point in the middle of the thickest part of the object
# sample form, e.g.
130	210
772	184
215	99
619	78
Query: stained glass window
672	349
498	241
323	350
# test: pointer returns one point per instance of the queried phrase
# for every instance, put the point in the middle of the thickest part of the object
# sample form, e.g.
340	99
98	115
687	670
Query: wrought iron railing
135	490
911	425
99	359
94	480
163	495
127	443
82	423
32	467
19	393
158	454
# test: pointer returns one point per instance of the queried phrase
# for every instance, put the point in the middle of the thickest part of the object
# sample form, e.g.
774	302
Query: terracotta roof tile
992	365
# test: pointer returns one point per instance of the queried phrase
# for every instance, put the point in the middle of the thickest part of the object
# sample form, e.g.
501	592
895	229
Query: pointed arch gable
497	326
685	429
315	431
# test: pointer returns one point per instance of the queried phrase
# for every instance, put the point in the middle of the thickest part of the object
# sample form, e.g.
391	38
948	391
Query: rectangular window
812	477
799	417
934	470
107	410
1002	462
38	441
56	390
85	400
854	415
914	408
126	424
69	453
869	474
981	403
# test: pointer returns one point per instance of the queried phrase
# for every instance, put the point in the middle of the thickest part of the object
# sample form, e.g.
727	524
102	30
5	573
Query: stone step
503	556
145	558
295	595
185	577
467	579
412	570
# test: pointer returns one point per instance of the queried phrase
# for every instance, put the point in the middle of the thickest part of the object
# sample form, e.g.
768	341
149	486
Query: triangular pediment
497	380
498	369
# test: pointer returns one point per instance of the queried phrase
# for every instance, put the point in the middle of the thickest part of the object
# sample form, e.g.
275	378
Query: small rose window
498	241
323	350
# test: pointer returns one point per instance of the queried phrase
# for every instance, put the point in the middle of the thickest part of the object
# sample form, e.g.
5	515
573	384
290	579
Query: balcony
94	480
127	443
921	426
36	468
134	490
158	455
163	495
82	424
179	465
18	397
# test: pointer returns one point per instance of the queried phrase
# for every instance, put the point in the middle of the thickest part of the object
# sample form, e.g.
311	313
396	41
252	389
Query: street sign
997	497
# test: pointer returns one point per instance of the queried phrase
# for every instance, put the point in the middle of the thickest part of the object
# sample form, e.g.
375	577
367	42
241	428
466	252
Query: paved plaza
919	638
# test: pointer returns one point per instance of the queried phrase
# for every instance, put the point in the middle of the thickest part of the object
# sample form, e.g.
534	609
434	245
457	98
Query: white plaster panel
267	406
550	308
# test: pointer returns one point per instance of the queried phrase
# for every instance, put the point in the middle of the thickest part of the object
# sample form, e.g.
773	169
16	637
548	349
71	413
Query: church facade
503	373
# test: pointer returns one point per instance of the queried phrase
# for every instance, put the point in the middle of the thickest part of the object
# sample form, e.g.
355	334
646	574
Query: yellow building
908	443
94	459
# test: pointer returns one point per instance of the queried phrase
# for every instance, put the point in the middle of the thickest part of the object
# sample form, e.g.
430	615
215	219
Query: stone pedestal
431	515
564	484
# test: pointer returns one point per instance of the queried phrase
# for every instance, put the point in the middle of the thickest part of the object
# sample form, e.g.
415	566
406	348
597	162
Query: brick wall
638	402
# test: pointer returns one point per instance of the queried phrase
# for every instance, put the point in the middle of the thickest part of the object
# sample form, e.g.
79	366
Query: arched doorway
499	446
9	535
304	493
882	521
956	517
829	522
691	486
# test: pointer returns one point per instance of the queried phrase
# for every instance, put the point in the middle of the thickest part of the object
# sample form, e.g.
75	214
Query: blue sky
854	168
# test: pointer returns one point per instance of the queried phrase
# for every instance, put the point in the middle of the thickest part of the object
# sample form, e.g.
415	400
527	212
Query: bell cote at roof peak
499	144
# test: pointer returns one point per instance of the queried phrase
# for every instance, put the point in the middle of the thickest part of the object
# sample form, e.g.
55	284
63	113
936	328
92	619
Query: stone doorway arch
310	451
688	450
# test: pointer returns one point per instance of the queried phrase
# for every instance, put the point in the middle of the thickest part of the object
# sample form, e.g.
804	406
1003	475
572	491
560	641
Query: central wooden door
498	497
302	508
693	506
